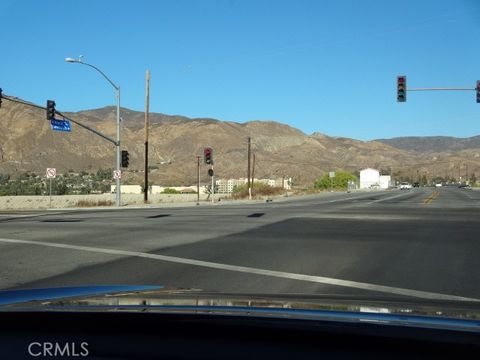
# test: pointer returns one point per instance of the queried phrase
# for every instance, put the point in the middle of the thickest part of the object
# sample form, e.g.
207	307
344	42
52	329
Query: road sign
51	173
331	174
60	125
117	174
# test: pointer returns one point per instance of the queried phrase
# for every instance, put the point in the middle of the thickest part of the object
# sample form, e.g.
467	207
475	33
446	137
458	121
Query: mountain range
27	143
428	144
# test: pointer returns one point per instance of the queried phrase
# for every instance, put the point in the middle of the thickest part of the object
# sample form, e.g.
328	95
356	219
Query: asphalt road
420	243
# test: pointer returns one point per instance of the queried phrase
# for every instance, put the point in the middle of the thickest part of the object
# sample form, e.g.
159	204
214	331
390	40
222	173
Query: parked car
416	184
405	186
438	184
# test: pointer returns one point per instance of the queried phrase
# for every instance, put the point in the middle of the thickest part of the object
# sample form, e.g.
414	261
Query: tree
473	179
423	180
340	181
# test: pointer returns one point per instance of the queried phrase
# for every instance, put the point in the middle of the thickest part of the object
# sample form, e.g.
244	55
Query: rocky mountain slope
433	143
28	144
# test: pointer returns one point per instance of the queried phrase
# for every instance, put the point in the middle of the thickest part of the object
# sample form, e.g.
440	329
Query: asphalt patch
256	215
157	216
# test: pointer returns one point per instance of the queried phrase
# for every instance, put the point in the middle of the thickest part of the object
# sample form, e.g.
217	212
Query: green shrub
340	181
170	191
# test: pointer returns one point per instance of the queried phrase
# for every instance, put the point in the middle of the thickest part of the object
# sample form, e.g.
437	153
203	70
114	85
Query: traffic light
50	110
477	90
125	158
401	88
0	97
208	156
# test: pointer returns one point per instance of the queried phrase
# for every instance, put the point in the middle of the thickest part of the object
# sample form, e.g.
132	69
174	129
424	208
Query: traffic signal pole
248	170
213	186
198	180
118	199
147	109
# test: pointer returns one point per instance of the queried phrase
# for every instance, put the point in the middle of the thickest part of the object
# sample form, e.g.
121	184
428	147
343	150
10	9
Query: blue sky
327	66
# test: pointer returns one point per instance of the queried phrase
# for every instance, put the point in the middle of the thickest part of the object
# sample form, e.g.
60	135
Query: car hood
463	315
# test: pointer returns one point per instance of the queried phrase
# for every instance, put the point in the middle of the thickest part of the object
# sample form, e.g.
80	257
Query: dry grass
258	191
89	203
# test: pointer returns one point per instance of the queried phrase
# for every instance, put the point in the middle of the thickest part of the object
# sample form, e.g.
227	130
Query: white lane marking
250	270
16	216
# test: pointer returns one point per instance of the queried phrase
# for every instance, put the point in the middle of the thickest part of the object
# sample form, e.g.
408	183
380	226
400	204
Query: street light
117	144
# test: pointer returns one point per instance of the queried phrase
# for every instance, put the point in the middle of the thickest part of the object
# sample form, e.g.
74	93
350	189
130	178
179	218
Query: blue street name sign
60	125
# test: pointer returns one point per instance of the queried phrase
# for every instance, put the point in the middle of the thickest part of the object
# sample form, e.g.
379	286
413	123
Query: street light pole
117	144
118	200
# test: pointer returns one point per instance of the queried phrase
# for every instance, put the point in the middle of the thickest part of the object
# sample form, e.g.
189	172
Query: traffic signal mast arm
442	89
402	89
86	127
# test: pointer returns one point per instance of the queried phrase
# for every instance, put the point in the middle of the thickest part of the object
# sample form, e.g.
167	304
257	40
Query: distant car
464	186
416	184
405	186
438	184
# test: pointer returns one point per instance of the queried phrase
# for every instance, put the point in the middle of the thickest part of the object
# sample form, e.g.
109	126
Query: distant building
127	189
385	181
157	189
226	186
369	178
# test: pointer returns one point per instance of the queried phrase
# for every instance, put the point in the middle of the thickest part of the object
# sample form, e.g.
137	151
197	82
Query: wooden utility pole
198	179
248	170
253	170
147	109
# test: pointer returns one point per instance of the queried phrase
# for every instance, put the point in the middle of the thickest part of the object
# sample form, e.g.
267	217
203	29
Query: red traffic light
401	88
207	155
478	91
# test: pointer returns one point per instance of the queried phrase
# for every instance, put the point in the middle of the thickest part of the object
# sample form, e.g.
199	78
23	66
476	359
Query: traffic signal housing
0	97
477	90
401	88
50	110
208	156
125	158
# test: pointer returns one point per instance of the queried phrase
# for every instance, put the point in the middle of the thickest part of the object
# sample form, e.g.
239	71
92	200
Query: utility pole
253	170
198	179
147	109
248	170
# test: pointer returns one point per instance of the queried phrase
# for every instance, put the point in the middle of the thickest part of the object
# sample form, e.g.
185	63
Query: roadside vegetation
170	191
258	190
339	182
88	203
70	183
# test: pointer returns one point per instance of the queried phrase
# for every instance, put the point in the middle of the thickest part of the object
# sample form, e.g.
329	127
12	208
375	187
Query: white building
157	189
385	181
226	186
127	189
369	178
